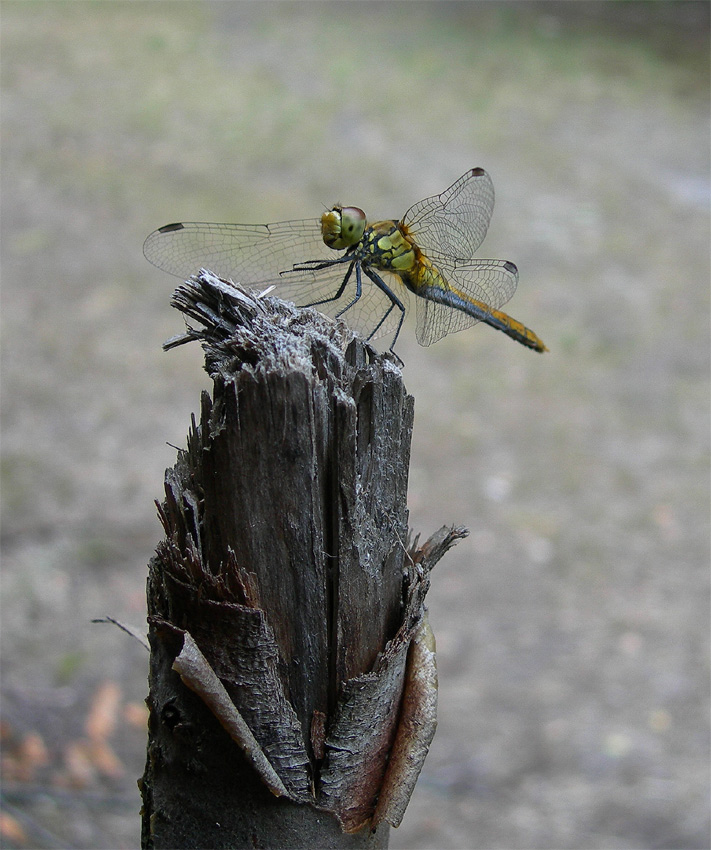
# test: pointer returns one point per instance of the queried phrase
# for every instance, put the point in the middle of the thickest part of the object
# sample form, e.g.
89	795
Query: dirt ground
573	623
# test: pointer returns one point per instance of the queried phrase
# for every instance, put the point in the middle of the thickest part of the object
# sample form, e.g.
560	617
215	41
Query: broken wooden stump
292	679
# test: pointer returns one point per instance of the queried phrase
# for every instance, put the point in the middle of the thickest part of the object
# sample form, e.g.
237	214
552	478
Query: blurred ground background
573	624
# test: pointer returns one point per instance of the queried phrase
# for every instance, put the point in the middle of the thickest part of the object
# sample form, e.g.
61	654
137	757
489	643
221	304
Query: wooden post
292	682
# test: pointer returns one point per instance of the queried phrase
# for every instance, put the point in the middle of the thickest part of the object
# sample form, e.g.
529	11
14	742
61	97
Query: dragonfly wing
454	223
245	253
473	290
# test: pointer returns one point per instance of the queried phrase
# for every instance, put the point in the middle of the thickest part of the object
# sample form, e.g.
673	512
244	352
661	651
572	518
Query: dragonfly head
342	227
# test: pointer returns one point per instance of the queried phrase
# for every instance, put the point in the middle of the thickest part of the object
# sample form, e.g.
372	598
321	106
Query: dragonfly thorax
386	247
342	227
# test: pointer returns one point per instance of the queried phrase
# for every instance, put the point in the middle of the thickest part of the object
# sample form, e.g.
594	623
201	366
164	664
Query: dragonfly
429	252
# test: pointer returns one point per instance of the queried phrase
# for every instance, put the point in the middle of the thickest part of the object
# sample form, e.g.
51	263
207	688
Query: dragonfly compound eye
342	227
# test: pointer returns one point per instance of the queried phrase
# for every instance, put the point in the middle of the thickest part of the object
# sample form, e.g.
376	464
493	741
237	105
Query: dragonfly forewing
454	223
245	253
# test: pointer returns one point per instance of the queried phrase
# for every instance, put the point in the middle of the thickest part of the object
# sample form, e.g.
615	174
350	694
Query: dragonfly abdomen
482	313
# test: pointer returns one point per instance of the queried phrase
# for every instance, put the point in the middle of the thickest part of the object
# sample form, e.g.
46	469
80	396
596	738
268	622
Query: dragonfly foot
396	357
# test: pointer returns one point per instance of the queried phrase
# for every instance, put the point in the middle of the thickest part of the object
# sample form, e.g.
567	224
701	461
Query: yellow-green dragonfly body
428	252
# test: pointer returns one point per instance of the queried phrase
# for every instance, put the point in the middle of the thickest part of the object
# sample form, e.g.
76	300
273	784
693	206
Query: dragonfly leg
341	289
358	292
394	302
317	265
